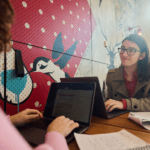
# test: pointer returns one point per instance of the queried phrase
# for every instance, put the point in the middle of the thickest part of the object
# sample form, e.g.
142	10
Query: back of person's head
143	65
6	18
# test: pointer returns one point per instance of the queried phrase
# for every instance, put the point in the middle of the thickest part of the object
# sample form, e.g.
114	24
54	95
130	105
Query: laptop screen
73	100
74	104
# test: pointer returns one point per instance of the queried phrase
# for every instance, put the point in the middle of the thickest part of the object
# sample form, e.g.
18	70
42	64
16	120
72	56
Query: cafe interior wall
76	38
113	20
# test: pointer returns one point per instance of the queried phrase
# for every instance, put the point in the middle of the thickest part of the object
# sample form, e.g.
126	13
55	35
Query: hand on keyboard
113	104
62	125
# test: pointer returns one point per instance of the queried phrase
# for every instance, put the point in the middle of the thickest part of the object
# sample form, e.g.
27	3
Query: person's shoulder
111	74
112	71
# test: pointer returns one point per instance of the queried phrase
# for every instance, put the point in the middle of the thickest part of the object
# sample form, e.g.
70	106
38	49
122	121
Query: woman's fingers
74	125
33	111
112	108
109	104
62	125
113	104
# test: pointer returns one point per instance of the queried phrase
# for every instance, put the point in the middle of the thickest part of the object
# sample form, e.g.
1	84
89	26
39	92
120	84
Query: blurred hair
6	17
143	65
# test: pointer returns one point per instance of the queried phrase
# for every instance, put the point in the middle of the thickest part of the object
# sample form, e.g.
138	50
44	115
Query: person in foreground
128	87
10	138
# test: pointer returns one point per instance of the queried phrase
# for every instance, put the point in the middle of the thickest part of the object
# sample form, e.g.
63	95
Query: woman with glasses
128	87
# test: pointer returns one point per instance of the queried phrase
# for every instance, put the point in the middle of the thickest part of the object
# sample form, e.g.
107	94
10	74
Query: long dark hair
143	65
6	16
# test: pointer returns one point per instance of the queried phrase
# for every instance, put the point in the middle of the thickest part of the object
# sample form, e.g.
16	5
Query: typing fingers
34	111
74	125
112	108
71	122
109	104
32	117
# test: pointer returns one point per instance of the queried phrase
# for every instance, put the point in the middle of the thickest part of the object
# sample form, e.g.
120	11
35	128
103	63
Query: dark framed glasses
130	51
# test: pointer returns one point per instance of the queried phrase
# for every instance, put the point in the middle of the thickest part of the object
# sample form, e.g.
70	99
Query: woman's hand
62	125
113	104
25	116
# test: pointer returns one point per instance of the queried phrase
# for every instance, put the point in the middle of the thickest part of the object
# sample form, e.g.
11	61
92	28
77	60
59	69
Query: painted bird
18	89
46	66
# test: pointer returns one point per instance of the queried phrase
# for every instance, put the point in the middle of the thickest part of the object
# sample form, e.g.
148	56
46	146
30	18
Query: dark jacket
116	89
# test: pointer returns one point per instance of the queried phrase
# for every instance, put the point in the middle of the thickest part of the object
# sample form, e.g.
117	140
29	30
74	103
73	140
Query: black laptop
99	108
73	100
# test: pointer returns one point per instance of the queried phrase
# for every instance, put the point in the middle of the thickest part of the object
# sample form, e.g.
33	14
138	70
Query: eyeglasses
130	51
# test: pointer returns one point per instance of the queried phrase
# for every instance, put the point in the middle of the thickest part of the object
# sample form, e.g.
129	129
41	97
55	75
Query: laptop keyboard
77	130
115	111
42	123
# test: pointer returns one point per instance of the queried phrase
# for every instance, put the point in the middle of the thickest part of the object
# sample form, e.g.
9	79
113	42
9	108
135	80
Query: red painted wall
39	22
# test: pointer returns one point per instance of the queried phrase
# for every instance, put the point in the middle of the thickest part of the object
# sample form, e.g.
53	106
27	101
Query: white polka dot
11	42
83	20
51	1
85	32
89	23
62	7
78	16
40	11
74	52
70	0
70	12
48	83
82	8
29	46
31	65
55	34
79	29
73	39
88	12
34	85
43	30
44	47
76	66
68	65
65	36
80	41
86	43
53	17
81	53
36	103
27	25
64	22
24	4
71	25
76	4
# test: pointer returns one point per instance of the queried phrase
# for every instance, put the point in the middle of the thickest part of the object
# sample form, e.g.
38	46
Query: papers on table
142	118
121	140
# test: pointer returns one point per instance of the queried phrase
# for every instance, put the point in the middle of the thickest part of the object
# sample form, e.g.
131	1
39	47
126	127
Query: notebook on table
73	100
99	108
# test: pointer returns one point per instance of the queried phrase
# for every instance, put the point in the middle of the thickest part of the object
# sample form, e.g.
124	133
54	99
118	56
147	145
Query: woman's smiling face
128	60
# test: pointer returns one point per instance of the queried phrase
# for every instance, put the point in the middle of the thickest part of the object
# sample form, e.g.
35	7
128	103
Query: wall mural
52	37
18	88
64	38
54	70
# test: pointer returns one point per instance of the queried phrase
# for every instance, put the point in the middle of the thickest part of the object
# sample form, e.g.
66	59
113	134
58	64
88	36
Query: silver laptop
73	100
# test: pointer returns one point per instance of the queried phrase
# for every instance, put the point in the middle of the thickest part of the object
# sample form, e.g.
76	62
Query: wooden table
100	125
